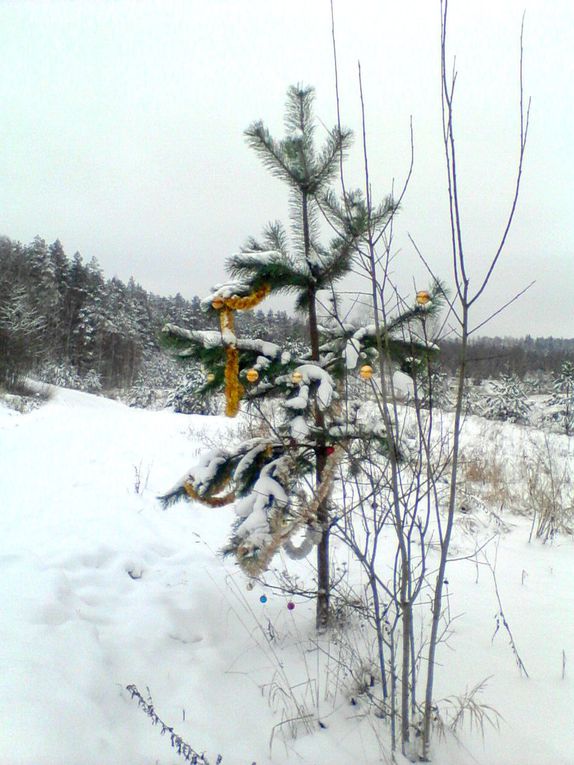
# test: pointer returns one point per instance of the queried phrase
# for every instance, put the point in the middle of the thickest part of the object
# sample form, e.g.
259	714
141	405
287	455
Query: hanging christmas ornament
290	605
263	599
252	375
366	372
297	377
210	377
423	297
329	450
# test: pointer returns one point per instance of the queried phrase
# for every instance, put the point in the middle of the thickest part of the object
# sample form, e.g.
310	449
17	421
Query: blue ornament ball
263	599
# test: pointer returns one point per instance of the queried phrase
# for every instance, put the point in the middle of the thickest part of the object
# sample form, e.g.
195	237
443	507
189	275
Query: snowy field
101	589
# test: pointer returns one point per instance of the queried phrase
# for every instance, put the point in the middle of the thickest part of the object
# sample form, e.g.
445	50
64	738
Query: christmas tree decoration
423	297
366	372
282	482
290	605
211	501
252	375
263	599
210	377
226	305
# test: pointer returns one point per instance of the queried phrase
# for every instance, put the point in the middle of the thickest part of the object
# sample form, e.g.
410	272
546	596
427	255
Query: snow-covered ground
100	589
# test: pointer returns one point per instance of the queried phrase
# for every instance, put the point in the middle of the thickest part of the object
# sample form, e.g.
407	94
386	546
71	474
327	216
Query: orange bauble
366	372
423	297
297	377
252	375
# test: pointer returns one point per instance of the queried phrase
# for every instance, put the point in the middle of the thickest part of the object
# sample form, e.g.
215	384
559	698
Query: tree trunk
323	582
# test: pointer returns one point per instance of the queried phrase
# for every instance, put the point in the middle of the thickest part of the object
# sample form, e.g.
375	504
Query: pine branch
271	152
278	270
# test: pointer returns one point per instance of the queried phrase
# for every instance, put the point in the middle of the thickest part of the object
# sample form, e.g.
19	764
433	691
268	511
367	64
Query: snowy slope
101	589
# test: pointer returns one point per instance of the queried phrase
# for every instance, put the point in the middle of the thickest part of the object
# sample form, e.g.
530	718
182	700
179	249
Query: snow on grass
100	588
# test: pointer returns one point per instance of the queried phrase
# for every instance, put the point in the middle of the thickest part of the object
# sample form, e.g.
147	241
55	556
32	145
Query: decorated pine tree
281	483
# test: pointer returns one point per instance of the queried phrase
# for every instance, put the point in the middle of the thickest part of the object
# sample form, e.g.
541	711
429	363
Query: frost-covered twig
501	618
177	743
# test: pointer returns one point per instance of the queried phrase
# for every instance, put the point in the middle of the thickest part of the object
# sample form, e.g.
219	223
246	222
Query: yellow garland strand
233	388
254	565
210	501
236	303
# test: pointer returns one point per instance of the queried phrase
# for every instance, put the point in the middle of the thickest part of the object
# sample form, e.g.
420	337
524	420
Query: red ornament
290	605
329	450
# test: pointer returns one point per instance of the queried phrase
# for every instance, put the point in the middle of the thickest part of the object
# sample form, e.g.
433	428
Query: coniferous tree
21	328
281	483
507	401
562	400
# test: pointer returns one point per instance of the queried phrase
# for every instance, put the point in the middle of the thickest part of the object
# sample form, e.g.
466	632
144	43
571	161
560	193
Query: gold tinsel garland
210	501
254	565
226	306
221	500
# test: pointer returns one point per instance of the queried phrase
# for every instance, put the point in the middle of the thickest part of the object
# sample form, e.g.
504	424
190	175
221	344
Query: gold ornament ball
423	297
297	377
252	375
217	303
366	372
210	377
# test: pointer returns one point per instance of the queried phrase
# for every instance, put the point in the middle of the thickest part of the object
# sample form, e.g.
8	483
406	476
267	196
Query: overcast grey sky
122	132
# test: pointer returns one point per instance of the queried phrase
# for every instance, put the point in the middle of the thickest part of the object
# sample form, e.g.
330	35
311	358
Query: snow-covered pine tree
21	328
562	400
189	398
281	483
507	400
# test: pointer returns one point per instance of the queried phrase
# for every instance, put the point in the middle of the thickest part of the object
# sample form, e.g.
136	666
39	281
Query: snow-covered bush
64	375
550	491
561	402
435	391
507	401
189	398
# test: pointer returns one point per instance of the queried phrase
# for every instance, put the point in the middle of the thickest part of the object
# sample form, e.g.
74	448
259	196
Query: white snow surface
100	588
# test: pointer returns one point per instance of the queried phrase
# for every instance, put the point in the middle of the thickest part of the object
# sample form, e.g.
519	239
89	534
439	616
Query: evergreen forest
63	321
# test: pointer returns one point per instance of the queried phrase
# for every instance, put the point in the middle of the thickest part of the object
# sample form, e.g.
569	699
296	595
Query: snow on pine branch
207	338
312	373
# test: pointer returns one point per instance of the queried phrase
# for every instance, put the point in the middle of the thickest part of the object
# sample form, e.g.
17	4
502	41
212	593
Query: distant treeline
491	357
62	312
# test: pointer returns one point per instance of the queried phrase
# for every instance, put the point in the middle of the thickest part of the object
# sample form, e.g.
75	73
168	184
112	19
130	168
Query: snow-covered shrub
157	380
91	381
561	403
435	391
189	396
550	491
64	375
507	401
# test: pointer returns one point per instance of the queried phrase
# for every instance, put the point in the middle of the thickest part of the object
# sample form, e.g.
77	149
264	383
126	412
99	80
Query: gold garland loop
255	561
233	388
210	501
